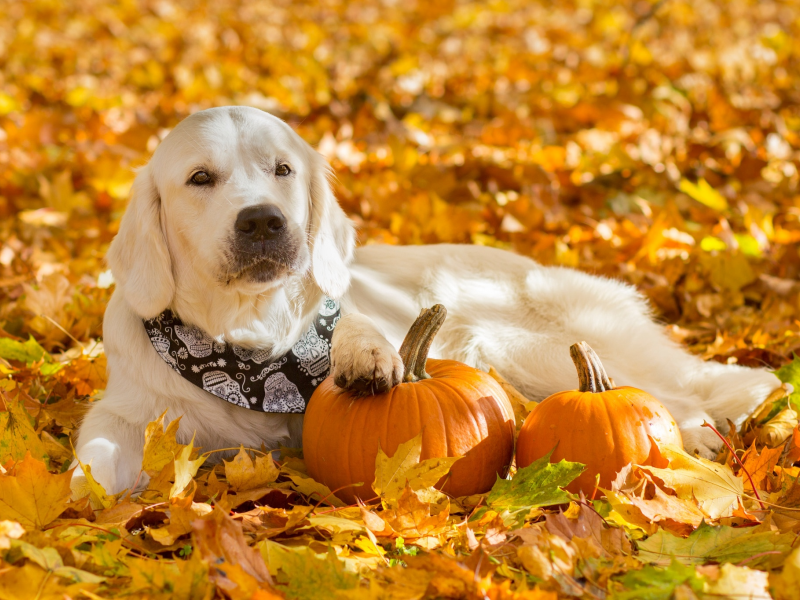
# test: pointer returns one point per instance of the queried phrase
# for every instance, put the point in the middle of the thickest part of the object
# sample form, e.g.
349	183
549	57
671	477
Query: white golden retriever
182	245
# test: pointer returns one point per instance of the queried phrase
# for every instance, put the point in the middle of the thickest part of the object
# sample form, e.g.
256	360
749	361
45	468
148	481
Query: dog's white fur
504	310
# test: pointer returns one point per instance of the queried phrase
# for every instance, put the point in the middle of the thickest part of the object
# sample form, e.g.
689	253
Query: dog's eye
282	170
201	178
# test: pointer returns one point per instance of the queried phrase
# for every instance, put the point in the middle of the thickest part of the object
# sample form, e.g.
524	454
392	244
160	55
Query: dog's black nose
265	221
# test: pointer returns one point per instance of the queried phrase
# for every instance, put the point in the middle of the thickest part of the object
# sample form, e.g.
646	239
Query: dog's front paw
701	441
367	367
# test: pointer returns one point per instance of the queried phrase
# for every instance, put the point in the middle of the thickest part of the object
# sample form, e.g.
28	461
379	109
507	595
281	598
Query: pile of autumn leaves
256	526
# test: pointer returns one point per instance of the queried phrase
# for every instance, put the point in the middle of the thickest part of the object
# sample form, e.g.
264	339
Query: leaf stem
741	464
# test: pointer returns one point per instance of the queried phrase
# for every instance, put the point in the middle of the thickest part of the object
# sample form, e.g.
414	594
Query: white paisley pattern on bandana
283	384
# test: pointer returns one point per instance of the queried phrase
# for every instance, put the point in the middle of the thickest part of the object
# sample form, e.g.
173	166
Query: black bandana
242	376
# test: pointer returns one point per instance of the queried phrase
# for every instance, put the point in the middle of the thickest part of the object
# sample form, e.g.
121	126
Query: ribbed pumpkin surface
605	431
460	411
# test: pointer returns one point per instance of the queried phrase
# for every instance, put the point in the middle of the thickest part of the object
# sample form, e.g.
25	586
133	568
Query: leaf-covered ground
654	142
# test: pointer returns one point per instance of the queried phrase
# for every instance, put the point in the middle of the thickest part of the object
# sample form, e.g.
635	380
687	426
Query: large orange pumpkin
460	411
599	425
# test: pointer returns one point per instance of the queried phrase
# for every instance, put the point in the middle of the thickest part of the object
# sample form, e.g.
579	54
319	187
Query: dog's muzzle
262	245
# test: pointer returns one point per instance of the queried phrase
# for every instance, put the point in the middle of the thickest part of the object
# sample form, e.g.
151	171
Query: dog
233	227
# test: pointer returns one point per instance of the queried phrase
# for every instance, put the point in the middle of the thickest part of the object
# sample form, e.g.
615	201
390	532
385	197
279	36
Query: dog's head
232	199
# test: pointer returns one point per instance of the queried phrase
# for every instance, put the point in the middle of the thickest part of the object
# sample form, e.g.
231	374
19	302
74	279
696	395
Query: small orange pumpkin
460	411
599	425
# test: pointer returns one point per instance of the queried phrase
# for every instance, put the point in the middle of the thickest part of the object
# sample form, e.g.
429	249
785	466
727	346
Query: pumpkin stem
591	374
417	343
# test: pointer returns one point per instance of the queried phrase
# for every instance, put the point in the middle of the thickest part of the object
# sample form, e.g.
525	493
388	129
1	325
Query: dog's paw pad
372	371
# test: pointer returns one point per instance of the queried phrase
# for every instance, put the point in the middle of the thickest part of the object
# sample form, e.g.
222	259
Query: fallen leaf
759	465
718	544
408	518
219	539
17	435
538	484
656	583
32	496
304	576
185	469
715	487
585	523
404	469
160	446
244	474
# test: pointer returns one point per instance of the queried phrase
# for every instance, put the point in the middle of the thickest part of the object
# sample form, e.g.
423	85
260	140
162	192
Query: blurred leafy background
653	142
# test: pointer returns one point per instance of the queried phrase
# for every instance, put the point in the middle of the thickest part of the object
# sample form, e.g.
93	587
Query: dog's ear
138	256
332	233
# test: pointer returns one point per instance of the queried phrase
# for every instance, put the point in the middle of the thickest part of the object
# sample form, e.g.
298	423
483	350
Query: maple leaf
87	374
219	540
449	578
31	581
715	487
705	194
17	435
182	513
677	515
656	583
538	484
718	544
632	508
96	493
176	580
759	465
302	575
66	412
584	523
244	474
275	521
160	446
404	469
32	496
312	489
185	469
50	560
27	352
779	428
545	555
408	518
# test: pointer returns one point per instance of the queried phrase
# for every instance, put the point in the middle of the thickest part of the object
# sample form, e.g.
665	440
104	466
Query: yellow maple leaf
182	512
160	446
704	193
404	468
410	518
185	469
32	496
244	474
85	373
17	435
717	490
98	497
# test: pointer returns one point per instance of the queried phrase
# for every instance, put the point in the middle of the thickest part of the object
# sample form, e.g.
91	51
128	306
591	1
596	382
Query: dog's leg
113	447
361	357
